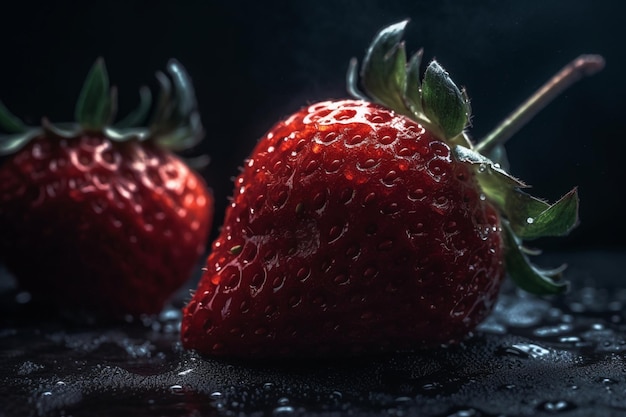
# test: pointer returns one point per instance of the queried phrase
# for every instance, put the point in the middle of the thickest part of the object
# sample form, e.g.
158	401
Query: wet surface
562	356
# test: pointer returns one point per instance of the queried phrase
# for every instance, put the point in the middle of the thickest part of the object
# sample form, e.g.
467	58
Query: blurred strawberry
101	217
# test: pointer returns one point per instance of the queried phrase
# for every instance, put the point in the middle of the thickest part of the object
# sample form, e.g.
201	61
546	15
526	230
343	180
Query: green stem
583	66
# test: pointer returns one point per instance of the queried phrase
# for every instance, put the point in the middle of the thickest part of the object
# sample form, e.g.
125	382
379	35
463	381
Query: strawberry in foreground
103	218
375	224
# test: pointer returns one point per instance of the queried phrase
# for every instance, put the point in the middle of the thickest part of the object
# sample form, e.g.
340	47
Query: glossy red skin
103	227
351	229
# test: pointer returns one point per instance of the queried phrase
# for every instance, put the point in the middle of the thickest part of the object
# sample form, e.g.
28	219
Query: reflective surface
564	356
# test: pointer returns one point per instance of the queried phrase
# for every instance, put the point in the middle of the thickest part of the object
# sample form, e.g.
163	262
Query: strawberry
373	224
104	218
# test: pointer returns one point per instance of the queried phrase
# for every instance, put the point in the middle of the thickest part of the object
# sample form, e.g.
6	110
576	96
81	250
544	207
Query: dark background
255	62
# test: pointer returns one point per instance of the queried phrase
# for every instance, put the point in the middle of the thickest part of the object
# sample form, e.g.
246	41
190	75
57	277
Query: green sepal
94	108
352	81
176	123
496	183
529	217
10	144
384	67
388	79
443	101
532	218
9	122
527	276
19	135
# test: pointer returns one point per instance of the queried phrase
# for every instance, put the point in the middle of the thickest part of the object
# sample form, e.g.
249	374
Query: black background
256	62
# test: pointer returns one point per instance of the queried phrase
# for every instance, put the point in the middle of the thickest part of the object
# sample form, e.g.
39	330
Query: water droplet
556	406
176	389
310	168
530	220
553	330
570	339
470	412
532	350
367	164
336	395
391	208
403	400
369	199
607	381
185	372
385	245
431	386
283	410
216	395
354	140
387	140
370	272
329	137
170	314
416	194
438	169
22	297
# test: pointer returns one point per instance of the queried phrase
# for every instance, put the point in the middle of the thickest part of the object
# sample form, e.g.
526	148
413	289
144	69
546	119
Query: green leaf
443	102
9	144
519	207
384	68
94	108
176	124
352	81
496	183
531	219
9	122
527	276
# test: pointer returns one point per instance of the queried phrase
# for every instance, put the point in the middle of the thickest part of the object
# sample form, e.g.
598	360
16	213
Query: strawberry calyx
437	103
175	123
434	101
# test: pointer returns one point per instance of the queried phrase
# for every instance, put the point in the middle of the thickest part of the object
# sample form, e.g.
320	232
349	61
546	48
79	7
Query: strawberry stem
583	66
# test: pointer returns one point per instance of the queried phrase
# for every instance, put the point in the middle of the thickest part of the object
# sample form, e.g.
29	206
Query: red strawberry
105	218
363	227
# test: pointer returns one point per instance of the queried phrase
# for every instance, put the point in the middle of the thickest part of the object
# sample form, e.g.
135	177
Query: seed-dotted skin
359	233
105	227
